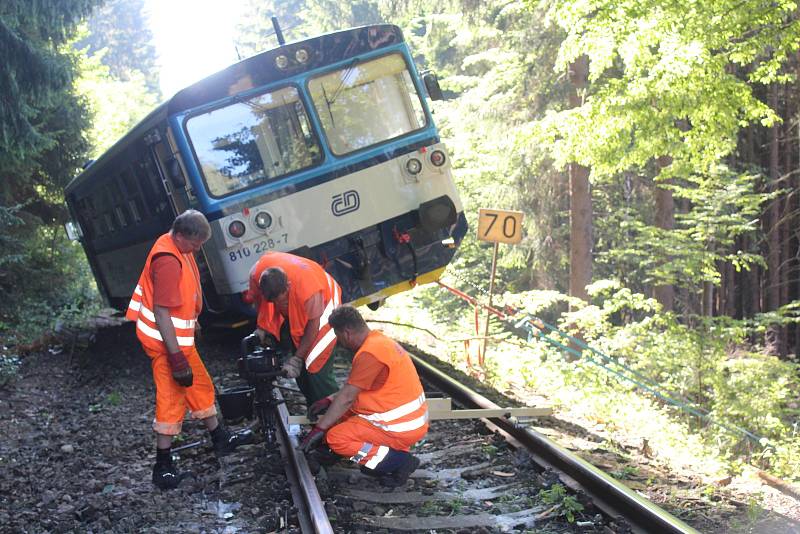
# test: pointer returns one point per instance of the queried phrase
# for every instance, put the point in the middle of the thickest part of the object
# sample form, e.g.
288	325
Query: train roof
255	71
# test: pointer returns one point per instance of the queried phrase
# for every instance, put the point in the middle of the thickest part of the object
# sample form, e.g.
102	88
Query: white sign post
496	226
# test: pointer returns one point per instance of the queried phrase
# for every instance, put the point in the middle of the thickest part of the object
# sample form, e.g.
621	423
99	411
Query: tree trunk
665	220
772	338
580	202
787	254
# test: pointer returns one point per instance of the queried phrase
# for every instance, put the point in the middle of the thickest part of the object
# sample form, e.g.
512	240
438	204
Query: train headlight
281	62
414	166
263	220
236	229
301	55
438	158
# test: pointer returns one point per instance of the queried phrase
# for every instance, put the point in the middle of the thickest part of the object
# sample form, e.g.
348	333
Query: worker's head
349	327
274	286
190	230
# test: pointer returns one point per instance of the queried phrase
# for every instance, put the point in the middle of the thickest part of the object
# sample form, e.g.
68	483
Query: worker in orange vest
294	297
380	413
165	305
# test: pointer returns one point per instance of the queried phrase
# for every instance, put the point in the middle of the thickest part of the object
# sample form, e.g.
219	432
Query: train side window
150	182
134	205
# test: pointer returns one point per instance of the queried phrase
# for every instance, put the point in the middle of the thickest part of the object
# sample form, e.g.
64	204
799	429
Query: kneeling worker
294	297
165	305
380	412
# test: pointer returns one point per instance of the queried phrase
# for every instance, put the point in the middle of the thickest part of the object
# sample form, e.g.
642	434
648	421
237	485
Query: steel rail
311	510
608	494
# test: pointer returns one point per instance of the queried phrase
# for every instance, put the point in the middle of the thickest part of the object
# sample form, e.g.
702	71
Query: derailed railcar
324	147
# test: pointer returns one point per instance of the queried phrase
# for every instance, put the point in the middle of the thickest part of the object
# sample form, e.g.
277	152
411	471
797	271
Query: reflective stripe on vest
146	329
330	336
149	331
183	317
384	420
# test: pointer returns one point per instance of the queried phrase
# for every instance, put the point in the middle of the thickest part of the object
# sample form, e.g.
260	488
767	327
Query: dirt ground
77	449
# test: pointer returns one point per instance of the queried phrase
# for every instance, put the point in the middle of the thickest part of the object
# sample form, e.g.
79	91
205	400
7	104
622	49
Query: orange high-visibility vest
399	404
183	317
305	279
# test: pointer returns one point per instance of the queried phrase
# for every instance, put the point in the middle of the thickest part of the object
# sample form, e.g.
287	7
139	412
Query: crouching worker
165	305
294	297
380	412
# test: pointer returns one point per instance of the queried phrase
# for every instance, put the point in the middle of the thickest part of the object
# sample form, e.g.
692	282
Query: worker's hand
312	439
319	407
293	367
181	372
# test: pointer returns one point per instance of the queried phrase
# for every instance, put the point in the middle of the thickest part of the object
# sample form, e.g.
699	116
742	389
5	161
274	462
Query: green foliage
35	75
41	146
119	34
567	505
115	104
705	364
254	33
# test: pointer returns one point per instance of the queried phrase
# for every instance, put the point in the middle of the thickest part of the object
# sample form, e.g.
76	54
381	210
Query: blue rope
641	381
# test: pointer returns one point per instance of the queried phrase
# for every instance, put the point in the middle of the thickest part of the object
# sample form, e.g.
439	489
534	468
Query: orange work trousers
172	399
360	440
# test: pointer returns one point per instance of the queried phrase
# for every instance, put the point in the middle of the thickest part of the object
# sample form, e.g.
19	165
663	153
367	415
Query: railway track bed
77	451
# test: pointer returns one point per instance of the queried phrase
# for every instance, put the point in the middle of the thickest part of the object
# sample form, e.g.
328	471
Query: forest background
653	147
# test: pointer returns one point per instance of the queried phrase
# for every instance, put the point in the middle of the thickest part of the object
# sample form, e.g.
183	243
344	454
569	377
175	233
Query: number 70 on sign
500	226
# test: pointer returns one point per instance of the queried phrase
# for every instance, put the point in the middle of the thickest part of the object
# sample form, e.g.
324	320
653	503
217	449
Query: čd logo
346	202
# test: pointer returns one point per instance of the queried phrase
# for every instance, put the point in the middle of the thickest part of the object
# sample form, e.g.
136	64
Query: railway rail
492	475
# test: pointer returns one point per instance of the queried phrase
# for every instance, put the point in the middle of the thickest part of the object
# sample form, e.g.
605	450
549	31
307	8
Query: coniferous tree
121	29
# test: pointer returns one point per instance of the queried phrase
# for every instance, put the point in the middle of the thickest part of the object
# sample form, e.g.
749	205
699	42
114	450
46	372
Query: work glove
312	439
181	372
293	367
319	407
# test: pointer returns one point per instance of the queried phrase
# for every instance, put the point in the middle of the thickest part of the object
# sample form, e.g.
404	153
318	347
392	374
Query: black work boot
399	476
166	476
225	442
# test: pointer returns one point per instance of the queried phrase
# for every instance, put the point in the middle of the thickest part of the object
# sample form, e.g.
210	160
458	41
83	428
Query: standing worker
383	404
165	306
294	297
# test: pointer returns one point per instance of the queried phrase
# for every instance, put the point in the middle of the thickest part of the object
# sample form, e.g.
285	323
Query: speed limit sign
500	226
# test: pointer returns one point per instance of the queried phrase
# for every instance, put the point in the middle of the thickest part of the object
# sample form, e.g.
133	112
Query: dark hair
192	224
273	282
346	317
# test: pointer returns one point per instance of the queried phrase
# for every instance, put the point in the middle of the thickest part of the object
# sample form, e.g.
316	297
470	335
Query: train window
135	205
367	103
253	141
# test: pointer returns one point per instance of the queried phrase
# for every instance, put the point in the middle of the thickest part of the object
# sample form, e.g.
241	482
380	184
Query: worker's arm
340	405
166	328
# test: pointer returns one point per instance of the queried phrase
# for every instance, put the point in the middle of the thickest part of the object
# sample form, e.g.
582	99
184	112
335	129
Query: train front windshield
367	102
254	141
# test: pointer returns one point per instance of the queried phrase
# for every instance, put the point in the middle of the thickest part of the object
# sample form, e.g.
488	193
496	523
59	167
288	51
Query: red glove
318	408
181	372
312	439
